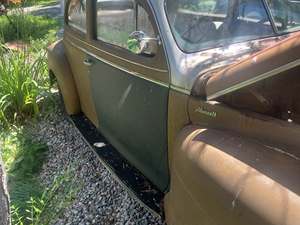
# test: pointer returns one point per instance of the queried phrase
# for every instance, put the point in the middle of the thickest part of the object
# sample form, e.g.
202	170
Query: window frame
267	10
116	49
71	28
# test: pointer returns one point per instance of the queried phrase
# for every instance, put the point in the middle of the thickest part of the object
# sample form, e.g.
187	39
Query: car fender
60	68
218	177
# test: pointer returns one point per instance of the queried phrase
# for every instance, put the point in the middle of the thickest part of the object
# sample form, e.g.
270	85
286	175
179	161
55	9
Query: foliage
23	84
31	203
25	27
24	79
133	45
199	6
51	204
25	3
23	160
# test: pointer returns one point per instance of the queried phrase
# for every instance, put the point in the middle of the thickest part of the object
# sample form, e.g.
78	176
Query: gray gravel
101	199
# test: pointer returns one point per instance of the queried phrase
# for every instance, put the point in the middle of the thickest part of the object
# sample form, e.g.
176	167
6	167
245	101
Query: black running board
141	187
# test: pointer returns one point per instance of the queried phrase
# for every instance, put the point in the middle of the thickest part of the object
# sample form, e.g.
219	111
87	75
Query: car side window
119	22
144	23
77	14
116	20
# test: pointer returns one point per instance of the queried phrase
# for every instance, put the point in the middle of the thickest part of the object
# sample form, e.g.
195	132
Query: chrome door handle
88	62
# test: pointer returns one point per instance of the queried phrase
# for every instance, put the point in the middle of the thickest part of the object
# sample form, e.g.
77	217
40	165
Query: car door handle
88	62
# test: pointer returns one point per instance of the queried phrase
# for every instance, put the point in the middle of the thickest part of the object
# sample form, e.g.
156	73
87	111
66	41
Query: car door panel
131	90
133	114
80	72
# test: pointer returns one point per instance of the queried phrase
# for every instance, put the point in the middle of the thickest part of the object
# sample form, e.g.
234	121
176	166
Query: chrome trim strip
119	67
181	90
138	64
255	79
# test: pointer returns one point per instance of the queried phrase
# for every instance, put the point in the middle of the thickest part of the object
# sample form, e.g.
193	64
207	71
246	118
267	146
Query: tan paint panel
177	117
272	131
220	178
81	77
59	66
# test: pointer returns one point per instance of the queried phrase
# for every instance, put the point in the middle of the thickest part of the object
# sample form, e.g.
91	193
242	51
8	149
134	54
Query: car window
144	23
77	14
118	19
204	24
286	14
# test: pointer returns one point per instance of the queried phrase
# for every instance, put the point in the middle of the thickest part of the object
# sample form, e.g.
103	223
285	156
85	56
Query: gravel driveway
101	199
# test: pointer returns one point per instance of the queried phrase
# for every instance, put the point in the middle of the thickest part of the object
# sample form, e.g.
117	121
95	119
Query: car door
130	90
74	38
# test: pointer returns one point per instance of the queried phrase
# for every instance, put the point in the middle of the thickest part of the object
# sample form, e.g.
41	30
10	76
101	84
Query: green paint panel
132	115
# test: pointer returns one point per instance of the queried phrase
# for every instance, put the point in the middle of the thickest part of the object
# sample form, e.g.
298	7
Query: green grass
24	81
23	160
31	202
26	27
28	3
39	2
25	95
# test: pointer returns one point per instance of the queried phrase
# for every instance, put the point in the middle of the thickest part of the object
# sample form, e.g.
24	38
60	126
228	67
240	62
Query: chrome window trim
116	56
120	67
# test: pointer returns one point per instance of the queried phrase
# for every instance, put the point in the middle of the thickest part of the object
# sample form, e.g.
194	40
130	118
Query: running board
132	178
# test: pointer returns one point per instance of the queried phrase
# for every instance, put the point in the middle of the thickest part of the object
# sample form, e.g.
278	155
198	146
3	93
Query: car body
199	96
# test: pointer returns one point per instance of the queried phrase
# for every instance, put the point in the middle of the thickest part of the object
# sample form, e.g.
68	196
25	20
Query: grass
23	160
39	2
31	202
24	96
27	3
26	27
24	81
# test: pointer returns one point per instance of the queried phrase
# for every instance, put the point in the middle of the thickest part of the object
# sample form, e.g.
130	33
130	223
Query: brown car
194	104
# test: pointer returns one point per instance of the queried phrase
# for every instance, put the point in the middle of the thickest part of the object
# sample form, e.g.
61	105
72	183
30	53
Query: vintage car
197	98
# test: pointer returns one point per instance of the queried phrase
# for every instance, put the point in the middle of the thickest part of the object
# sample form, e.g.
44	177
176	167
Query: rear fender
60	68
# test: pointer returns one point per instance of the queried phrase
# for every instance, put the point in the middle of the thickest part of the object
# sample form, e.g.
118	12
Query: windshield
202	24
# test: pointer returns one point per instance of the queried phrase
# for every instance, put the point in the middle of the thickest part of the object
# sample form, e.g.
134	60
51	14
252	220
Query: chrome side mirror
140	43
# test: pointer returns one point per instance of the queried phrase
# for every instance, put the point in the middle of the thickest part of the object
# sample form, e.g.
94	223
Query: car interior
221	22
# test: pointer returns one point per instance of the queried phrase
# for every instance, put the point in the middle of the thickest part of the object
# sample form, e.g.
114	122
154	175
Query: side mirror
139	43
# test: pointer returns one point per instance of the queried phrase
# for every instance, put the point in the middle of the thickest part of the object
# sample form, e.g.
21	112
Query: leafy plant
23	84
